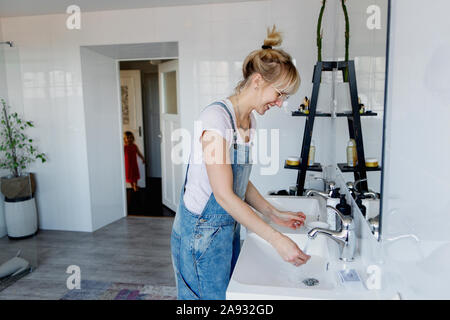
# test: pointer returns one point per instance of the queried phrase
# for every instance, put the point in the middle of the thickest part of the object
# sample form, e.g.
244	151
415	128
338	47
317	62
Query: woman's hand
289	251
293	220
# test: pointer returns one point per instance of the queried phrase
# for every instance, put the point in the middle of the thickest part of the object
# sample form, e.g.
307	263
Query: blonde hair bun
274	38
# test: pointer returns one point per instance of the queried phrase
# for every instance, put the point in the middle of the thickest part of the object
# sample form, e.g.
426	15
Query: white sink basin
260	273
310	206
260	265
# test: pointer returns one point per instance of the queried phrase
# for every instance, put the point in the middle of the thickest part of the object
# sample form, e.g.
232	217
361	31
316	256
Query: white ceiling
13	8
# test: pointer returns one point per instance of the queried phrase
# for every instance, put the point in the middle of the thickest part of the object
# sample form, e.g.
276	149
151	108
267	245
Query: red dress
131	165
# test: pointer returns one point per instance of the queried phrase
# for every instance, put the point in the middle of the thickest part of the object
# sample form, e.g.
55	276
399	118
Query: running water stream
305	248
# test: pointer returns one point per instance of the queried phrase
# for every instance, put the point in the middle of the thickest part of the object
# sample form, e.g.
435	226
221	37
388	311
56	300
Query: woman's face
269	97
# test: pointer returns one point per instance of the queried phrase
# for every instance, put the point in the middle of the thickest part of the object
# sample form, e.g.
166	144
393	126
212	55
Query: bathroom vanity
260	273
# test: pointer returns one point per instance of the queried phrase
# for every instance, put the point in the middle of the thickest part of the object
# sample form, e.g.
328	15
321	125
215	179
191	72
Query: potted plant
16	153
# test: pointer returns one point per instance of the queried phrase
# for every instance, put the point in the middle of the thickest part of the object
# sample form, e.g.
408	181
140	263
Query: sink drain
310	282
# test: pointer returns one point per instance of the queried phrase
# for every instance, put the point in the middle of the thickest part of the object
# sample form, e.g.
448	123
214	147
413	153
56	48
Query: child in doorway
131	166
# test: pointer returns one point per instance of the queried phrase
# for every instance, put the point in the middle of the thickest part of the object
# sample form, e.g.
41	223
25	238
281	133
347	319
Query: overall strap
231	118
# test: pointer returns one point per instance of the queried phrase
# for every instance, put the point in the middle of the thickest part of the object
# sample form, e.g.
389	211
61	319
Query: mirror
368	43
349	116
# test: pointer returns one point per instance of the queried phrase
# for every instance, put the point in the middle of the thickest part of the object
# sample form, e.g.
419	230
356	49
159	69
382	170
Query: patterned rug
96	290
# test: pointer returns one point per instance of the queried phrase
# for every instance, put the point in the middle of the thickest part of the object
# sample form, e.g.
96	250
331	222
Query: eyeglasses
281	95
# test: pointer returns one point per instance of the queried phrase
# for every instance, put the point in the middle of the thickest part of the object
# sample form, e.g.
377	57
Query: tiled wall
3	85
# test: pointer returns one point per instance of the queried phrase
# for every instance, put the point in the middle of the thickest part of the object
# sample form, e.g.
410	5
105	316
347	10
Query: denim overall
205	247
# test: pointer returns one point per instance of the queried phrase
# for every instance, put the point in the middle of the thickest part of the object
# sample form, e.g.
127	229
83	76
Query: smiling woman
217	194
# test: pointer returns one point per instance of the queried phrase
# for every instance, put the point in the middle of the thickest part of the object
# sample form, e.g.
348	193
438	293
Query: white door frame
170	190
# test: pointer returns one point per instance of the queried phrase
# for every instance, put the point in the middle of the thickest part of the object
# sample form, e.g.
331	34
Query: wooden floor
132	250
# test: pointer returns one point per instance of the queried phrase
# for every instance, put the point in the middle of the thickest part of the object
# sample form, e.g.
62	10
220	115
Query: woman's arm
257	201
220	175
289	219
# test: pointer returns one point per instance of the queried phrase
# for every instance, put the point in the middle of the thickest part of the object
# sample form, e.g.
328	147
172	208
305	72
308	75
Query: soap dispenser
360	205
343	208
333	201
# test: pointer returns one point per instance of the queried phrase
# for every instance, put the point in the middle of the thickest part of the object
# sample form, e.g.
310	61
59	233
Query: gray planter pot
18	187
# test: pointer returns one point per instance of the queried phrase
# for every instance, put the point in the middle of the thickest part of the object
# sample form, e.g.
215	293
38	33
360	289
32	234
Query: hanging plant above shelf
347	33
320	31
347	37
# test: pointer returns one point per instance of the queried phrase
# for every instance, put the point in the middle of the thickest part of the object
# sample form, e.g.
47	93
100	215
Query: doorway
148	94
100	68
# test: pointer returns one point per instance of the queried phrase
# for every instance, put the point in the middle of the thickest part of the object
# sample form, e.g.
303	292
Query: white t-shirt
214	118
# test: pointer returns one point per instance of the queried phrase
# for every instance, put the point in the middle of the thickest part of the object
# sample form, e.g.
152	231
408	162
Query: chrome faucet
330	187
370	194
324	182
312	192
345	238
352	187
375	226
357	182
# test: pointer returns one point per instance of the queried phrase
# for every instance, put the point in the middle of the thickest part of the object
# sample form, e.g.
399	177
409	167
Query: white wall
103	132
3	94
3	84
416	205
210	59
48	91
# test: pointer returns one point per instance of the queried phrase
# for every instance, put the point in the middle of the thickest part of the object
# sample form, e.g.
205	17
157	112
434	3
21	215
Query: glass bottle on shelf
352	157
